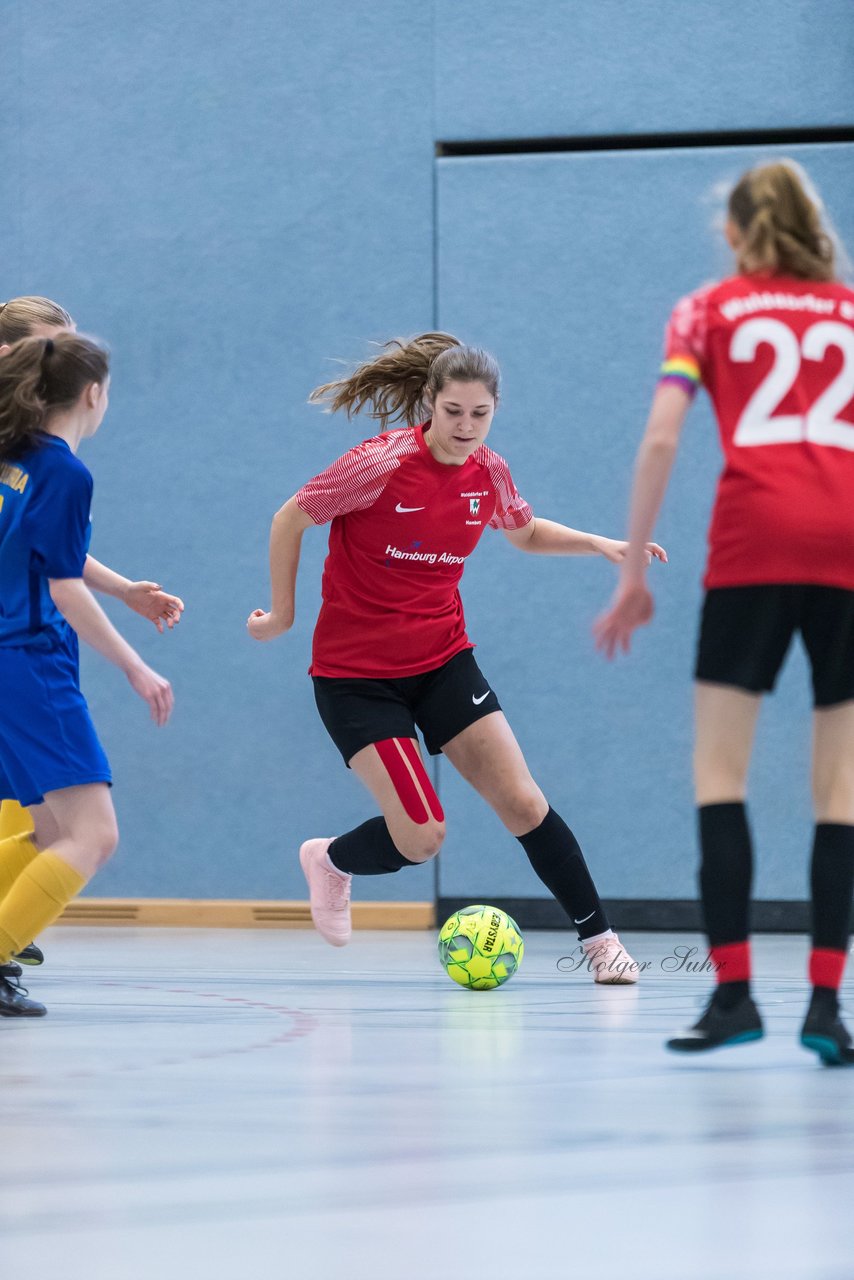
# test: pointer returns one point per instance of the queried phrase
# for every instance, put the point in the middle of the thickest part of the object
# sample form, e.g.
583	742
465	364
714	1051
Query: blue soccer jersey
47	739
45	504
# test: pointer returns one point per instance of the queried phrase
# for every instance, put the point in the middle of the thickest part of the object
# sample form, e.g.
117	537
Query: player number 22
820	424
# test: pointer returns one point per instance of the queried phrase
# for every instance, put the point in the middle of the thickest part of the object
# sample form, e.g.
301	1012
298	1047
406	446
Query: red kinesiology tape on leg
733	961
411	752
826	967
404	766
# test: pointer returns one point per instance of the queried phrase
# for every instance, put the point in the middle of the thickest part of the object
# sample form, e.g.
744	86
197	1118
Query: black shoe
13	999
30	955
10	970
719	1027
824	1032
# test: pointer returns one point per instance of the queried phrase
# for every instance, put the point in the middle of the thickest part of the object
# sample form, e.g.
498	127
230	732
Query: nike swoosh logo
478	701
402	509
590	917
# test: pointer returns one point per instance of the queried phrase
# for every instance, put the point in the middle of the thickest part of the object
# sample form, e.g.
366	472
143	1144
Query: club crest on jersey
474	506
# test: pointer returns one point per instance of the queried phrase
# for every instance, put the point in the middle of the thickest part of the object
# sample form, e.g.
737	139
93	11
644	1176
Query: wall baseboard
643	914
237	914
652	914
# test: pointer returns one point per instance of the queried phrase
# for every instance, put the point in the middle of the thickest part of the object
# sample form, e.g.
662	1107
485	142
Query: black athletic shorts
441	703
745	633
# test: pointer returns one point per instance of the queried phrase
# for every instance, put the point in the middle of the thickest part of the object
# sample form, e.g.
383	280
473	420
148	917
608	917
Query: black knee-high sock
726	876
832	885
555	855
367	850
726	872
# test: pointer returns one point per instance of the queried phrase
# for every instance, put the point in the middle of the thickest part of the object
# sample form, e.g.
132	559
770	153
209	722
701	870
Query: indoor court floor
251	1103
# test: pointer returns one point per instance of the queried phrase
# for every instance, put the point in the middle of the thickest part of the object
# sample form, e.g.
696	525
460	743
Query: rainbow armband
683	370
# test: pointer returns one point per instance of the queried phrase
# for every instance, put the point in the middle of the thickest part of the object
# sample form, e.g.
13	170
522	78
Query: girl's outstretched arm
289	524
145	598
632	604
81	611
548	538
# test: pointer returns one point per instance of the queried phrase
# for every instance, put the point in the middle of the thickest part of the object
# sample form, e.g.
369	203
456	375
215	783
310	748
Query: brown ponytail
19	316
395	385
781	224
41	375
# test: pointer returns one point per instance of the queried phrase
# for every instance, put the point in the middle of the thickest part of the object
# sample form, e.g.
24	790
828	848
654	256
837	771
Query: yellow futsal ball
480	947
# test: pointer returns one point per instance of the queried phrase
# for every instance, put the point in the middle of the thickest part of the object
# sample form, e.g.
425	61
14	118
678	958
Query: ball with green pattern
480	947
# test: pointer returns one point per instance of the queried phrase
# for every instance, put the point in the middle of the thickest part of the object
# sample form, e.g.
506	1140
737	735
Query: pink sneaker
329	892
610	961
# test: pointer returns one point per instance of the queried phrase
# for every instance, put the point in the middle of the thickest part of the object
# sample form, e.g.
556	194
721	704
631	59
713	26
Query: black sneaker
719	1027
825	1033
30	955
13	998
10	970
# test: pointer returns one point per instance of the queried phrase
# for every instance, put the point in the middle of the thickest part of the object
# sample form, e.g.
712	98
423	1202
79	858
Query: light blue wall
233	195
567	267
511	69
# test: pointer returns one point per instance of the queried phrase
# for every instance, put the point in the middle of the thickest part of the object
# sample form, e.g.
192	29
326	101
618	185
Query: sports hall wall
232	196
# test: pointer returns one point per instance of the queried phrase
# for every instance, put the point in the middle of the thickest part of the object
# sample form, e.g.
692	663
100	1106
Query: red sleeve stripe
354	481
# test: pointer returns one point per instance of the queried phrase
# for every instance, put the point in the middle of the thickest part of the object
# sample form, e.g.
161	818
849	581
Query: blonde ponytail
781	224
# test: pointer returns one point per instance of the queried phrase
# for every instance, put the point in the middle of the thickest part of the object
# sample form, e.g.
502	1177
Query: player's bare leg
410	831
488	756
75	832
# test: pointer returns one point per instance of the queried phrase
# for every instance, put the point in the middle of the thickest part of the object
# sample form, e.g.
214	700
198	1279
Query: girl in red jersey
774	346
390	649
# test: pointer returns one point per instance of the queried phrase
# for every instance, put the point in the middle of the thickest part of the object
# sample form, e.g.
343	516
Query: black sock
824	1000
832	884
728	994
726	872
367	850
554	853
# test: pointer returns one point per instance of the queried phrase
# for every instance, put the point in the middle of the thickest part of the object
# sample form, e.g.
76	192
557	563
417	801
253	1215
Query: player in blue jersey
53	395
34	316
26	317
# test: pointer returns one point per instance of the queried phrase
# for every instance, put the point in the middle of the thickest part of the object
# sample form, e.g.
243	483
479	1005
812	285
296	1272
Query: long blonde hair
18	317
396	385
781	222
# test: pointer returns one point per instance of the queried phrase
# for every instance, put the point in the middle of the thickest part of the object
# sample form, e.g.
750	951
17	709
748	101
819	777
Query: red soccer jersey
402	527
776	355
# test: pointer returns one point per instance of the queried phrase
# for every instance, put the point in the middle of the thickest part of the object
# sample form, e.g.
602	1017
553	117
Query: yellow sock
14	821
38	897
16	853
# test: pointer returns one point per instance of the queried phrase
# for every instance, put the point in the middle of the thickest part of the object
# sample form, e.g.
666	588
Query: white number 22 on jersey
820	424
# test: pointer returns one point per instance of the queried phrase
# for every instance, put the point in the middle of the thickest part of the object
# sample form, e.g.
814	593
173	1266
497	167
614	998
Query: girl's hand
150	601
266	626
616	551
632	607
154	689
